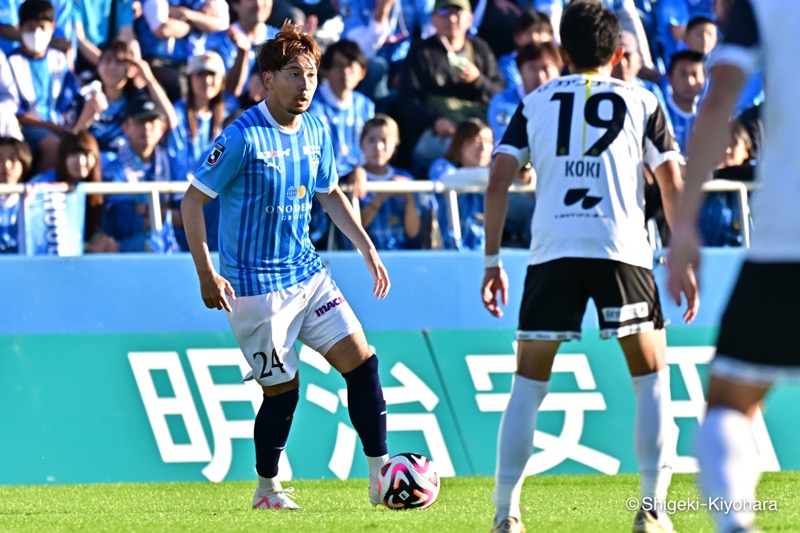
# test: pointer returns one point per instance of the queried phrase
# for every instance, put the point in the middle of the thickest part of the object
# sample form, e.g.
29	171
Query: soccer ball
408	481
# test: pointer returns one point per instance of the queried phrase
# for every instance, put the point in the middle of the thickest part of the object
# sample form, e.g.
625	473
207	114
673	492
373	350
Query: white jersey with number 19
587	137
265	175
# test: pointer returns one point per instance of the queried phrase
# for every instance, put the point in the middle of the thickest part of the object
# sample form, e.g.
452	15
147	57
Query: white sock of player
654	437
375	464
515	443
727	454
268	484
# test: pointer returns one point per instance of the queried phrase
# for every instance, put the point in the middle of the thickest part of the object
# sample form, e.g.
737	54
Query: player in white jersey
265	168
587	136
755	347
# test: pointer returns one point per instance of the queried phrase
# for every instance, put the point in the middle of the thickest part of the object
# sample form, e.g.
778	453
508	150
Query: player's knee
366	371
281	388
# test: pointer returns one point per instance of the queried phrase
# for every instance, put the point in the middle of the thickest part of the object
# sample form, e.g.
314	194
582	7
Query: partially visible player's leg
331	328
271	431
265	327
629	309
553	303
726	451
352	357
515	437
655	433
753	352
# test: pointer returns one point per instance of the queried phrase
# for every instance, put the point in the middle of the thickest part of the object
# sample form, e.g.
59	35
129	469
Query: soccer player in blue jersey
265	167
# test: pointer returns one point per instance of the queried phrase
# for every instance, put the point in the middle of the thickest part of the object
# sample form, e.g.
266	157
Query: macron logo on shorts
330	305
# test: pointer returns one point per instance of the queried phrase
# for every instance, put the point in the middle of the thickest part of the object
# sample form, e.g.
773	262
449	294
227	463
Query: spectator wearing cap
201	118
630	65
101	108
44	81
201	115
10	33
172	31
143	158
446	79
238	44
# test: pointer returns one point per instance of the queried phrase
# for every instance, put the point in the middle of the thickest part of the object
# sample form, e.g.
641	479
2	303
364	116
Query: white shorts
266	326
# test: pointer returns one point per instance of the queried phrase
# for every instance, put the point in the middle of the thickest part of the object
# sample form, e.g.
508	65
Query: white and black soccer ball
408	481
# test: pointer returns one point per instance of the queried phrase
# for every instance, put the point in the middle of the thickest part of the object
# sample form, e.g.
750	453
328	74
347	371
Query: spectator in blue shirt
687	78
15	163
536	63
342	109
673	17
79	161
392	220
122	77
172	31
471	147
530	27
143	158
98	23
238	44
44	81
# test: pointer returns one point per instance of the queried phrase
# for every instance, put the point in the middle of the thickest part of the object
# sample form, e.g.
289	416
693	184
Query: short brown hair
288	45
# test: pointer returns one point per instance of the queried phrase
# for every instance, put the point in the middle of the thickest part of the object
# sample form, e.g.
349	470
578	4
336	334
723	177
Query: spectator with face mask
44	82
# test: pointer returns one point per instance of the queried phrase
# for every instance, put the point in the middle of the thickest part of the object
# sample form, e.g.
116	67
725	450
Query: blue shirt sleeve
327	177
223	162
64	20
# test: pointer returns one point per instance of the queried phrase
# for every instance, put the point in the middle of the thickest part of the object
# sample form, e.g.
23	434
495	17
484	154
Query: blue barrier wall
103	357
149	293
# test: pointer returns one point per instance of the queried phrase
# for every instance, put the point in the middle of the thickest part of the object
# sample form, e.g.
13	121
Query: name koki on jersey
215	154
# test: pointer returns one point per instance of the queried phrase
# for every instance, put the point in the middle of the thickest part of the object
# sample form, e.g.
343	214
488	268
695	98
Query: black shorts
763	316
556	293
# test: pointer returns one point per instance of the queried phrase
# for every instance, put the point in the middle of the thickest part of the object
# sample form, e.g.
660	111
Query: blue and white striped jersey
45	85
265	176
345	121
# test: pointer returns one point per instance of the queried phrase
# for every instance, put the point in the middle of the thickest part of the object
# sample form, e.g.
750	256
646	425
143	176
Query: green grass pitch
588	503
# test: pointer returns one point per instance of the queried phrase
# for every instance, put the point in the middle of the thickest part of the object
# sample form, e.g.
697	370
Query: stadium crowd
132	91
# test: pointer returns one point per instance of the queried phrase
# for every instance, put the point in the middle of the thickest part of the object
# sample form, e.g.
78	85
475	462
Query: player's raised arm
338	208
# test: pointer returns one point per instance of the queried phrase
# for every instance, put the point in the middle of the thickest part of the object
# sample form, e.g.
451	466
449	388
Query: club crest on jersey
215	154
274	153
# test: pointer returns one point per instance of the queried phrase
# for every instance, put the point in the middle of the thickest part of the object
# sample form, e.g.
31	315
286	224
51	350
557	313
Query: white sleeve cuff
523	156
747	59
205	189
156	13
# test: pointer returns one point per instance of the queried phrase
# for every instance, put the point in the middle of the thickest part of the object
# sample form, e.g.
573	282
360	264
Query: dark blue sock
273	421
367	406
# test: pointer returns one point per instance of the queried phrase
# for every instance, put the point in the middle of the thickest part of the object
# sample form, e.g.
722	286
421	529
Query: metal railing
154	190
